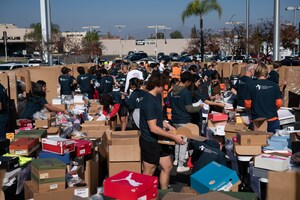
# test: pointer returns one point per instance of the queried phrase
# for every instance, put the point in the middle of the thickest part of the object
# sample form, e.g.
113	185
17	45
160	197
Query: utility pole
120	27
5	44
276	35
247	28
46	30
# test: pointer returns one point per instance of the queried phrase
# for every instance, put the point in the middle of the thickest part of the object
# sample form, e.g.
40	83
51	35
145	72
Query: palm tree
200	8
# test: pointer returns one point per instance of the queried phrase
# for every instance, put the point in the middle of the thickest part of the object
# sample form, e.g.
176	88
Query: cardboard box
93	125
252	138
214	195
24	144
124	148
260	124
177	196
42	123
214	176
92	173
129	185
272	162
9	163
24	152
31	134
117	167
217	117
31	192
58	145
283	185
53	131
232	129
48	174
64	158
247	150
82	147
61	106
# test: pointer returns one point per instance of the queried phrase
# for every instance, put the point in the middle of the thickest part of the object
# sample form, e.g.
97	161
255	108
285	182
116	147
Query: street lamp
156	27
120	27
90	27
293	8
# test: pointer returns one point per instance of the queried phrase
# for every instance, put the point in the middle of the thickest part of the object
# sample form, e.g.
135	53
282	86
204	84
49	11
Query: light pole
232	23
120	27
156	27
276	34
293	8
247	28
90	27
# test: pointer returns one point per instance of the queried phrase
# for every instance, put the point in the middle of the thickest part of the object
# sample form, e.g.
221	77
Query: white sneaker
175	163
182	169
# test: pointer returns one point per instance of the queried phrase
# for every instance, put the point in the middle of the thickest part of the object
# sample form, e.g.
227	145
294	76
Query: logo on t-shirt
263	87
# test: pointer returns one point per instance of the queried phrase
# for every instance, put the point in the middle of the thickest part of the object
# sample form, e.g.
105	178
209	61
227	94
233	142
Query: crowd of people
157	99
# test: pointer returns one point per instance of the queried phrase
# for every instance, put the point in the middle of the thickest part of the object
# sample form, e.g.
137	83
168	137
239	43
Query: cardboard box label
82	192
82	151
44	175
53	186
20	152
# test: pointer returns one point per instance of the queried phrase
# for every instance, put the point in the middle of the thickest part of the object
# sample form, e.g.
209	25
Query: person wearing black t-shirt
38	101
263	98
66	82
239	89
134	101
151	127
274	75
85	83
106	82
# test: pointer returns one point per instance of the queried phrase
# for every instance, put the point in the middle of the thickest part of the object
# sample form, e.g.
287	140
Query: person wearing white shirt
133	73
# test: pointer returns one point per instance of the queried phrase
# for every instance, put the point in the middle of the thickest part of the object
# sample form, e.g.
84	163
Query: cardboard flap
235	127
190	131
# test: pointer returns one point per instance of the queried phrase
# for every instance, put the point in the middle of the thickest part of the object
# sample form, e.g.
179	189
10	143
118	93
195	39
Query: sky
136	15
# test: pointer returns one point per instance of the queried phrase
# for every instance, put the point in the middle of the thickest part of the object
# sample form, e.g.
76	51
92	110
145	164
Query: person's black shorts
123	111
152	151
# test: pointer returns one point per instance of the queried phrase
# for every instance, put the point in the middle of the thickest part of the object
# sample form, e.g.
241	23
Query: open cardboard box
189	130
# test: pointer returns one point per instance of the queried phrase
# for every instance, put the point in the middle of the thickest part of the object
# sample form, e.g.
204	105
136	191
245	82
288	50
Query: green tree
37	40
201	8
91	44
176	35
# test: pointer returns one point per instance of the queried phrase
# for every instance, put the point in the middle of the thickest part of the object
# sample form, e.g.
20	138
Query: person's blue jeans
273	125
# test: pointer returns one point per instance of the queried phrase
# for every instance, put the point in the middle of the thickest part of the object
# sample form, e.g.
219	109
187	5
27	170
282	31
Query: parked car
228	59
239	59
184	59
166	58
174	56
34	62
136	56
149	60
290	61
159	55
11	66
